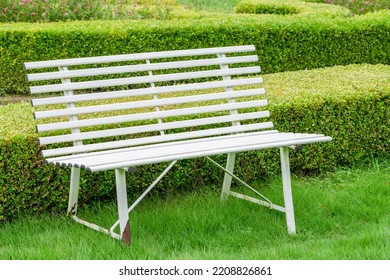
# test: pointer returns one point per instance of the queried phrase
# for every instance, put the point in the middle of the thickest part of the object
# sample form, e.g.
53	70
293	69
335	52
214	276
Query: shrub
70	10
350	104
358	7
287	7
283	43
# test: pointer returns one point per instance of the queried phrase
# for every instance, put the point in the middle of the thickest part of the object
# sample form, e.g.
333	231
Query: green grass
341	215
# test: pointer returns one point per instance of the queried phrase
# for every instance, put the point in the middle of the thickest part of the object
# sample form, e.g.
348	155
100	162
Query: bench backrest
120	101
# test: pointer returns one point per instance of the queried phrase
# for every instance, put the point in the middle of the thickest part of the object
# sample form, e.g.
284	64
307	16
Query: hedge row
306	40
350	104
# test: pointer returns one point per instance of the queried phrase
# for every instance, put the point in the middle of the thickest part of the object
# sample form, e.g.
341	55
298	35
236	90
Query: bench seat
178	150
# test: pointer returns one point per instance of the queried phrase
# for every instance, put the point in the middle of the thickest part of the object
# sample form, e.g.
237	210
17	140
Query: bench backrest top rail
140	56
125	100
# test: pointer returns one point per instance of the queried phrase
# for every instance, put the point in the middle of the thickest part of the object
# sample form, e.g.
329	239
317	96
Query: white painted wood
139	68
74	190
157	139
130	130
143	79
147	103
186	149
257	201
194	154
139	56
148	128
94	226
227	179
120	179
163	145
146	91
287	192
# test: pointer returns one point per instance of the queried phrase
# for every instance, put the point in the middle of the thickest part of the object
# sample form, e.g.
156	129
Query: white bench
118	112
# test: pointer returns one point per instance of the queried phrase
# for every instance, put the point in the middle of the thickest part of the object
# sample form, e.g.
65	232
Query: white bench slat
143	79
151	115
195	154
179	124
140	56
139	67
166	126
178	154
130	105
157	139
163	144
145	91
186	149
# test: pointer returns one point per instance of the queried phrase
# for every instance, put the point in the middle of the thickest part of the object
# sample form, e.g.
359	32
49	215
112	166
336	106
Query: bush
358	7
284	43
70	10
288	7
350	104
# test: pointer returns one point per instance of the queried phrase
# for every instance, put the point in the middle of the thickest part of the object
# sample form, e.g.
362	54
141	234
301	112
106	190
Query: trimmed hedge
351	104
284	43
290	7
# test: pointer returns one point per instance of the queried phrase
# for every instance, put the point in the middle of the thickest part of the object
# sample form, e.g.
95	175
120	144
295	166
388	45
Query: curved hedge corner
350	104
307	40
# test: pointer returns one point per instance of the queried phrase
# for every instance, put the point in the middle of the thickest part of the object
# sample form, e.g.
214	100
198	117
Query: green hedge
290	7
350	104
307	40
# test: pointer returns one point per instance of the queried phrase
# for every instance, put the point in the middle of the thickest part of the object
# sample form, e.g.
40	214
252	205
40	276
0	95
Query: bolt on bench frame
129	110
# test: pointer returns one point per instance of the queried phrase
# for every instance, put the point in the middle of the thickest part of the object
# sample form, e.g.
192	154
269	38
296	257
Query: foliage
70	10
349	104
358	7
283	43
289	7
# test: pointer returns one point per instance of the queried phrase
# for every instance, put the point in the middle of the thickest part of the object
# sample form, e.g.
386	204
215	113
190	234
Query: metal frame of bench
117	85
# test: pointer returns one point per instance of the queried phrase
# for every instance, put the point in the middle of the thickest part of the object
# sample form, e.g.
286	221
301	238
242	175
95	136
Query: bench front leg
121	193
227	180
287	193
74	190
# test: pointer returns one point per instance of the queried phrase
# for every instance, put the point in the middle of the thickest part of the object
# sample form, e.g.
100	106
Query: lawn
340	215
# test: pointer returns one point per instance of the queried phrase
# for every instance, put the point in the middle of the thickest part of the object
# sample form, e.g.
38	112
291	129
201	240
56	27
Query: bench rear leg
121	192
287	193
227	180
74	190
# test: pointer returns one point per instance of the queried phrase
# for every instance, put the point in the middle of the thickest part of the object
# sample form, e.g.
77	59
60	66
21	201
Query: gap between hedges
350	104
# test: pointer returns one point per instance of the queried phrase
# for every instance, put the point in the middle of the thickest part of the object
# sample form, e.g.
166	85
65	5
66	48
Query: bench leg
287	193
74	190
227	180
121	193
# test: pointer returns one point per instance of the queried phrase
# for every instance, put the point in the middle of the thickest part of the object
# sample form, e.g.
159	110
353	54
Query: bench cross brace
288	209
123	211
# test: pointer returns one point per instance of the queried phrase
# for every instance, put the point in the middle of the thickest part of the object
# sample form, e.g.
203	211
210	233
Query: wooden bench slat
183	124
145	91
157	139
139	68
161	144
151	115
185	149
178	124
137	56
209	152
130	105
143	80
